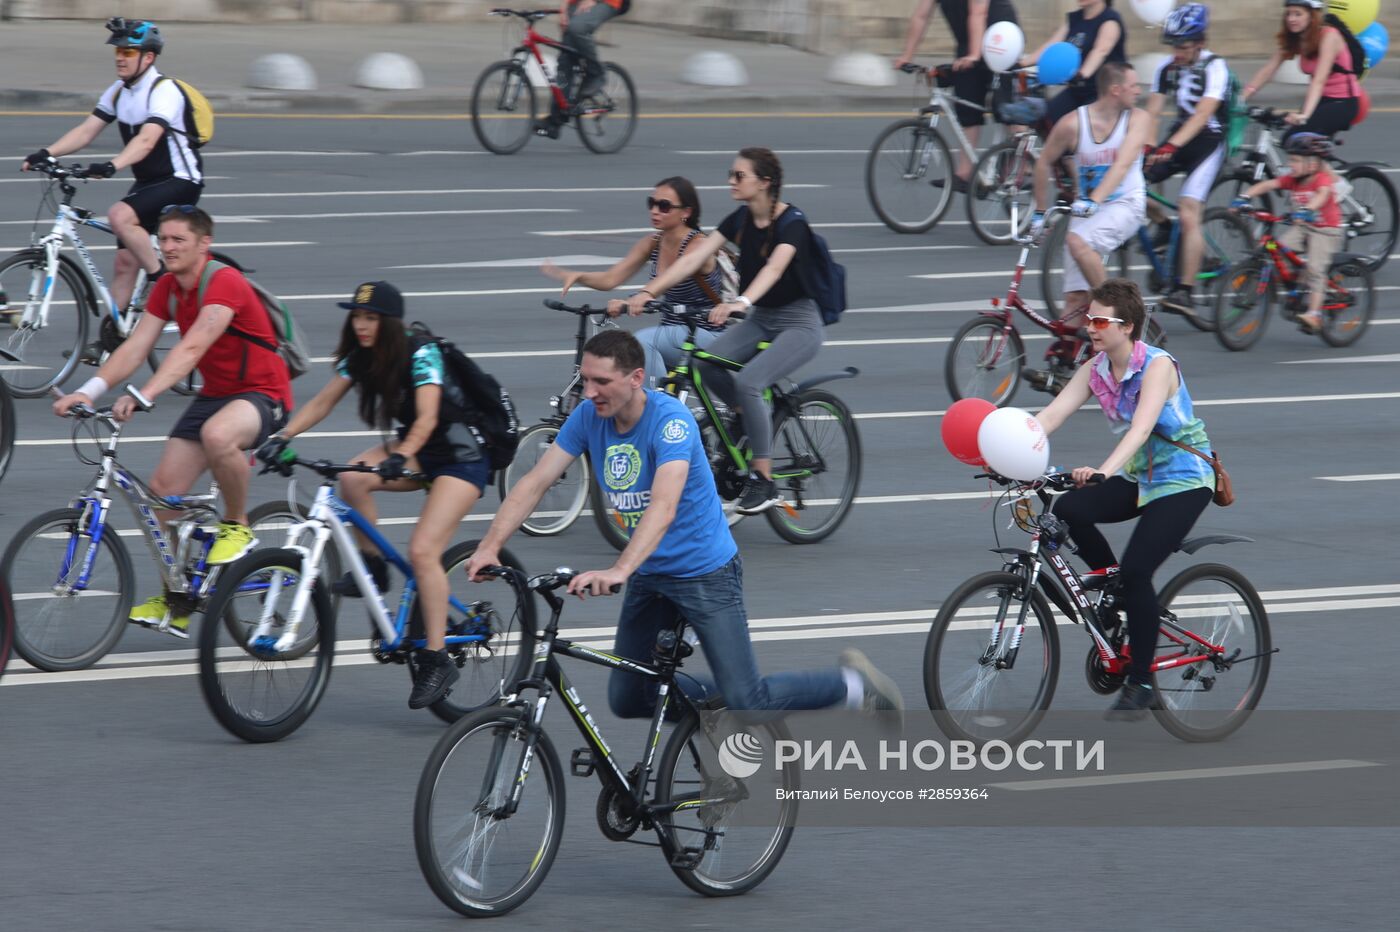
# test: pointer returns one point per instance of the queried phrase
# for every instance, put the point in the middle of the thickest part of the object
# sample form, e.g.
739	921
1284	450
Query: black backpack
822	276
623	7
1358	51
477	400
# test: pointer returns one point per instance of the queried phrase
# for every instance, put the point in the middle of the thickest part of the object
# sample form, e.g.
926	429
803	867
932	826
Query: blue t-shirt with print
698	540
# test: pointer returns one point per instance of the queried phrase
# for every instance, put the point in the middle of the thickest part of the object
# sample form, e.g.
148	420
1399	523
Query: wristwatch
744	301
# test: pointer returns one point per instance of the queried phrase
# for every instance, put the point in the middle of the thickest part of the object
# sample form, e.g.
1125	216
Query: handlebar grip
615	588
911	68
554	305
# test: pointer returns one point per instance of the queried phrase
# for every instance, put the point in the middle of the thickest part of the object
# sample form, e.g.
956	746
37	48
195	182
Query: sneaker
881	693
1180	301
959	184
152	612
1134	702
378	573
436	672
1310	322
547	128
758	495
89	355
233	541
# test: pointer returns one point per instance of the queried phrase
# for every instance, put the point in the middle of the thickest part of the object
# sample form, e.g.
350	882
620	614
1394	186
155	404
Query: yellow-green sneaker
232	542
153	612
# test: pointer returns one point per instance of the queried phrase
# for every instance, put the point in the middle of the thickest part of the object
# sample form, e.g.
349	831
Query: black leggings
1163	524
1332	115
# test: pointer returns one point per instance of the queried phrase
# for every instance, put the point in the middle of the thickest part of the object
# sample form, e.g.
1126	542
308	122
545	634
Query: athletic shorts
1200	160
1109	227
149	198
273	415
458	458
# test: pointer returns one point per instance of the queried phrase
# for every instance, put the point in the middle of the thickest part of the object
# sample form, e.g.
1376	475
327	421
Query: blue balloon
1376	41
1058	63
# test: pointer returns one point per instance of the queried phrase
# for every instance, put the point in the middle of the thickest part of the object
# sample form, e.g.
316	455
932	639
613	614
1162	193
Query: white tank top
1094	158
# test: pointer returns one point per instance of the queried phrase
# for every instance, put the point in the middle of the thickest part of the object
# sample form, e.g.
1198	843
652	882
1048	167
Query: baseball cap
380	297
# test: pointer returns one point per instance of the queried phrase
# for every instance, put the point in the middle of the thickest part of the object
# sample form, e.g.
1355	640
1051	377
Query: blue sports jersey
698	540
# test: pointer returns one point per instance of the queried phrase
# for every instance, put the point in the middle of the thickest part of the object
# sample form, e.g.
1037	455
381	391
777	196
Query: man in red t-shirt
226	333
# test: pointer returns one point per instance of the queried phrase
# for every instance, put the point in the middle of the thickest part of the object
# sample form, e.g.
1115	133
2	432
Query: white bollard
863	69
1290	73
389	71
1146	66
714	69
281	72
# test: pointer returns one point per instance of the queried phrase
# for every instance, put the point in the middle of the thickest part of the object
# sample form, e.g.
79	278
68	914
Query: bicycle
504	96
1225	239
7	419
999	624
1370	207
72	577
7	625
1246	293
260	682
986	357
483	847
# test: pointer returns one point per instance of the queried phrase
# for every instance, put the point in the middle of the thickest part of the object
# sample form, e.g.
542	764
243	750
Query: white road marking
1372	477
441	192
1389	357
903	249
820	226
1200	773
565	261
781	152
267	218
223	245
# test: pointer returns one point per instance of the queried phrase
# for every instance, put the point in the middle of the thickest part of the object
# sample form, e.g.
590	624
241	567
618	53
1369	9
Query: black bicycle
489	813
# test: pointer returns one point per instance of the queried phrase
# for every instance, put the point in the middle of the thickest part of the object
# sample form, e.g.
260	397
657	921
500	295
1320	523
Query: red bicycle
987	356
503	101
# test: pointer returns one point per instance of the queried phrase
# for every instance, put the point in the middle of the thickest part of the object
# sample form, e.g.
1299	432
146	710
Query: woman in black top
1097	30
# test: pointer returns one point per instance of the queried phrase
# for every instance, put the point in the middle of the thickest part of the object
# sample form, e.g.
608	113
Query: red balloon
1363	106
959	429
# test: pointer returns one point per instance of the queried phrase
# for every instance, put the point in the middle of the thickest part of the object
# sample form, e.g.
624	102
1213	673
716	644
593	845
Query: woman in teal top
1141	391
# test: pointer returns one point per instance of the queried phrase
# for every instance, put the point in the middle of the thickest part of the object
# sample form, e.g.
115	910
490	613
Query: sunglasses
127	53
1102	323
662	205
185	209
737	175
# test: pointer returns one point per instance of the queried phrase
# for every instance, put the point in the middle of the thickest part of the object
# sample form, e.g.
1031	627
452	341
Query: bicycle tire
1243	304
53	364
565	500
689	766
1002	178
997	350
1350	303
191	384
1372	242
459	877
914	179
609	521
1227	187
7	428
1226	240
595	128
224	614
482	677
39	551
273	517
1052	270
7	625
502	106
957	705
798	443
1178	690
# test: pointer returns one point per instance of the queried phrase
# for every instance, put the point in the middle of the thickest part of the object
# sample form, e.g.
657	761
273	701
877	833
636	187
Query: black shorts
149	198
1186	160
974	85
274	416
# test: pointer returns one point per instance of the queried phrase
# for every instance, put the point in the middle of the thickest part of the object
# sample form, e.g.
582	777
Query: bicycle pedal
687	859
263	646
582	762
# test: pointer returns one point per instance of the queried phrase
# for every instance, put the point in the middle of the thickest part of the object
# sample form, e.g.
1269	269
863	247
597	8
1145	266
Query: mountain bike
489	813
992	661
1225	240
266	648
70	574
503	100
1246	293
7	420
986	358
7	625
1370	207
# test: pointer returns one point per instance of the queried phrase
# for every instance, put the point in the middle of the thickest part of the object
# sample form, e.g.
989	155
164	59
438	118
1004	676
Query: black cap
380	297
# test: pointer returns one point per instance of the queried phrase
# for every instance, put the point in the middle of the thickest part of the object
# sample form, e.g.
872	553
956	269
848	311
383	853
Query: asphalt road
126	807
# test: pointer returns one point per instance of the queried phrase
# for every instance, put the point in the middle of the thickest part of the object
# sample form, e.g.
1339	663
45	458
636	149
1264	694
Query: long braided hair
767	167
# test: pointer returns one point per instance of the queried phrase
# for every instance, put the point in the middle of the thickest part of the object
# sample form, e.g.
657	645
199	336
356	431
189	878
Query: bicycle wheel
66	619
737	851
481	857
507	625
1369	214
973	693
909	176
1226	239
270	522
191	384
1002	185
255	692
1350	303
7	625
1243	301
1208	700
48	351
503	108
608	117
564	500
1154	334
816	464
1052	264
985	361
611	523
1227	187
7	428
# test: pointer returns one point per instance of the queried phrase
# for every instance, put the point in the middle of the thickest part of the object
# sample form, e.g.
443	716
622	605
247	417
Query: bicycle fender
849	372
1192	544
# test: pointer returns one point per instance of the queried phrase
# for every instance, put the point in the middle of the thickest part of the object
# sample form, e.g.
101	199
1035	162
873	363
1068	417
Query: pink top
1339	83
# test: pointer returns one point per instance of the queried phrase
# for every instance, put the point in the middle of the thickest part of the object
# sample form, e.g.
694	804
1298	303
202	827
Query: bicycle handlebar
1056	481
326	468
58	172
700	315
543	583
584	311
528	15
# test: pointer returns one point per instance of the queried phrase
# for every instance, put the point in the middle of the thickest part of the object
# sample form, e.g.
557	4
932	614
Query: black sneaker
1181	301
346	586
1134	702
548	128
758	495
959	184
435	674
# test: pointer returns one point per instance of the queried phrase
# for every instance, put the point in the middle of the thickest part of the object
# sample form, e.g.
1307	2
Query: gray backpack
290	344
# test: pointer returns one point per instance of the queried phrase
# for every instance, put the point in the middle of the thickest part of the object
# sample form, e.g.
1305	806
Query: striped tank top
689	291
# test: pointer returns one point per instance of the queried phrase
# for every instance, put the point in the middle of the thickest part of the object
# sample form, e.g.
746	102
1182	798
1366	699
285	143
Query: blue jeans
662	347
713	604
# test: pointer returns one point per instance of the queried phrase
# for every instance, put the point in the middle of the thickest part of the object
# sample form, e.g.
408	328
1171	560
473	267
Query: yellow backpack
199	115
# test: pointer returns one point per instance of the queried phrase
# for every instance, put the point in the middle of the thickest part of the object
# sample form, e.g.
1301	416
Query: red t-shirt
1331	213
232	365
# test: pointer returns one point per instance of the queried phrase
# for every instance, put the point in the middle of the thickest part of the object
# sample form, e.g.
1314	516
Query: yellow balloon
1357	14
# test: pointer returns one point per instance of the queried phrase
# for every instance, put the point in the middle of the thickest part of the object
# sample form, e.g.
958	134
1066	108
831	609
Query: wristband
647	293
94	388
744	301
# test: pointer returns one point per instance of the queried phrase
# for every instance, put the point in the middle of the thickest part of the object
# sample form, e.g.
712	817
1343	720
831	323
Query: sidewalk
52	65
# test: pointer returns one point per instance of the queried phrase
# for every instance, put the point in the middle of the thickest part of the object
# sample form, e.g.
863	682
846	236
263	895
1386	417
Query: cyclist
674	207
1143	394
1195	145
1097	30
401	377
681	560
150	116
1331	103
772	252
227	334
972	79
1317	217
579	20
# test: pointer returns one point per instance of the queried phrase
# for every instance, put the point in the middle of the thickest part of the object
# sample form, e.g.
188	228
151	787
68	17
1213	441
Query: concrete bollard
1146	66
863	69
389	71
281	72
1290	73
714	69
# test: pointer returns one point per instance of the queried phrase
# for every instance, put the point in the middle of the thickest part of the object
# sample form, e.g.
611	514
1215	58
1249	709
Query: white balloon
1014	444
1002	45
1153	12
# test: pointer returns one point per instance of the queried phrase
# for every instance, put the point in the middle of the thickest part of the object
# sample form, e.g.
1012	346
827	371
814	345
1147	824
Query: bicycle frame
1164	266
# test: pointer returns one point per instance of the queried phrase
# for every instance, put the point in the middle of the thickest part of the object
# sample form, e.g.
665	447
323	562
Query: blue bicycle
266	649
1225	240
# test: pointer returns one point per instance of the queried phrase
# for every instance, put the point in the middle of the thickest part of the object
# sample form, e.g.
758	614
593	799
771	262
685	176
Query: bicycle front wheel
1003	187
7	625
191	384
982	681
985	361
611	522
1350	303
68	614
816	464
608	117
7	428
1369	215
482	851
1054	255
564	500
49	348
257	692
909	176
1243	299
1205	700
1225	240
503	108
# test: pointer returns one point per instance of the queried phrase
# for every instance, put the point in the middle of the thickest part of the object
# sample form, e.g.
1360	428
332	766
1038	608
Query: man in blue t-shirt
681	559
